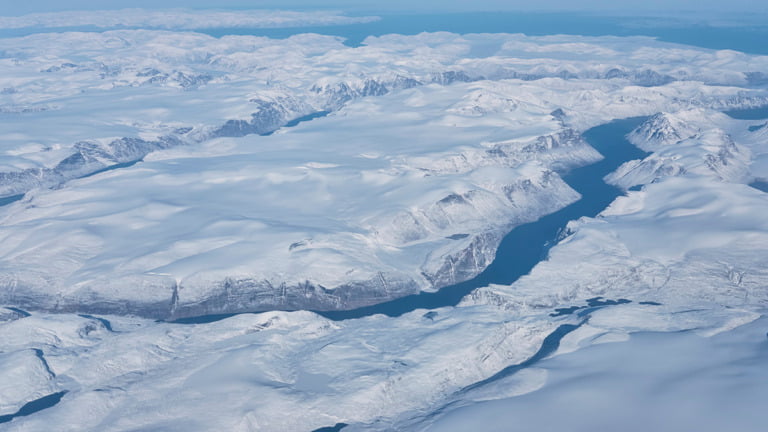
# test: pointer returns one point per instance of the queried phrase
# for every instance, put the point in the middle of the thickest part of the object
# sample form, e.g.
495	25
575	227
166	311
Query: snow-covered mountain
663	129
693	143
380	373
167	88
370	218
433	156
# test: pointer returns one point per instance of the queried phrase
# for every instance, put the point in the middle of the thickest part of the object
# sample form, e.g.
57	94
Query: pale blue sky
10	7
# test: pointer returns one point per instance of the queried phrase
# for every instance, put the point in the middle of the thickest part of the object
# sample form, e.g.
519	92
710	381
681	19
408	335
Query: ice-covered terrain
696	143
609	278
434	147
669	382
158	174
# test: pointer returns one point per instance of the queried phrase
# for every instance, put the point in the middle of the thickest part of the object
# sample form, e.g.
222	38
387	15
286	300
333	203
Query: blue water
103	321
21	32
760	113
299	120
10	199
760	185
655	381
34	406
749	38
550	344
21	312
112	168
528	244
336	428
306	118
203	319
591	305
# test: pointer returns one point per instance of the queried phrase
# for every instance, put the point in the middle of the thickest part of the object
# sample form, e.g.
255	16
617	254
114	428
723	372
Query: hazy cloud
648	6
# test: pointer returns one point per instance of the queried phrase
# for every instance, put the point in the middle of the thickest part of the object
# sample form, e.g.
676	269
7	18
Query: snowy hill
694	143
426	160
152	175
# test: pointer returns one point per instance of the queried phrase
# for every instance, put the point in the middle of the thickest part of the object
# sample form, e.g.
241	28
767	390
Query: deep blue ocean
749	38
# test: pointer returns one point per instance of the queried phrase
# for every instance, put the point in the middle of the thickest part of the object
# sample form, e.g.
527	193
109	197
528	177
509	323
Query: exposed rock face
468	263
227	296
334	94
89	157
663	129
157	296
245	295
268	116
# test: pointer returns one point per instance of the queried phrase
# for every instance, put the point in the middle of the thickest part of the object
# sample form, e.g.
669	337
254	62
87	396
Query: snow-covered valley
164	175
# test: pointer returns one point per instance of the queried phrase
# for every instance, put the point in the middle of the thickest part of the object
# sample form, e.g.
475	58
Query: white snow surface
253	371
377	190
372	192
657	381
24	378
436	145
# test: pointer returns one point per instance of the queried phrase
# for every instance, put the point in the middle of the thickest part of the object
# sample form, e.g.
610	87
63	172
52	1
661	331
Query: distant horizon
644	18
599	7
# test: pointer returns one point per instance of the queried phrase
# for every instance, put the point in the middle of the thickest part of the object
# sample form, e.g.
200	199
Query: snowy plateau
148	176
